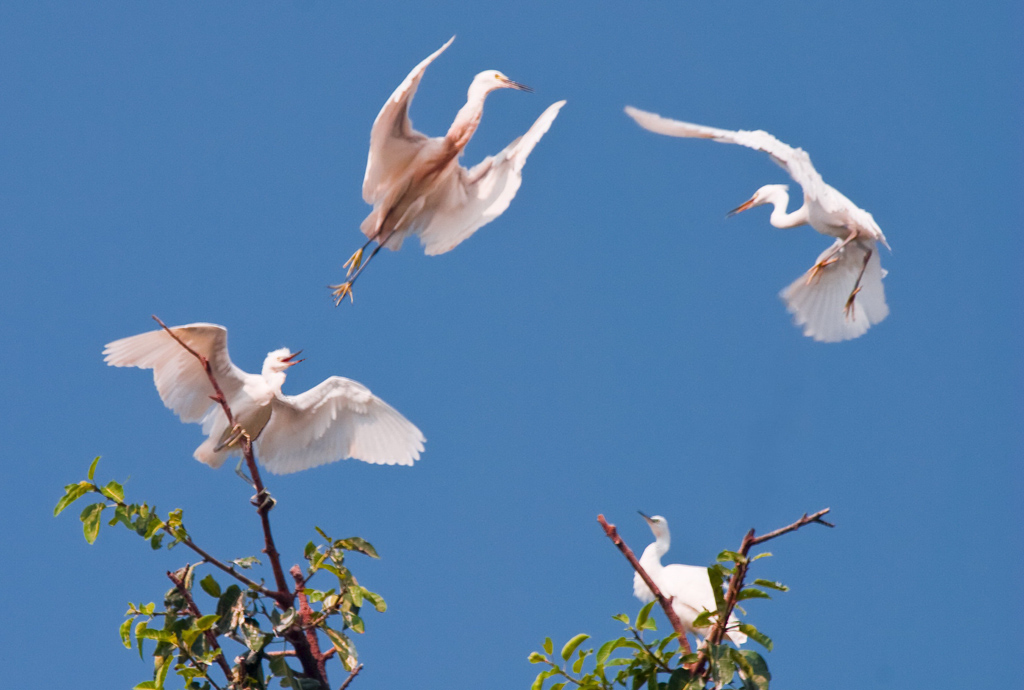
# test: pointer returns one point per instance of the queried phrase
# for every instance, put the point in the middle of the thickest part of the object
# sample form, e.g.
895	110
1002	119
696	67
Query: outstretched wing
795	160
818	303
337	419
180	380
472	198
393	141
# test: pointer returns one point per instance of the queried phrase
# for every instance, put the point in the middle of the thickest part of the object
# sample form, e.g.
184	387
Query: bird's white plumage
688	585
337	419
415	182
818	305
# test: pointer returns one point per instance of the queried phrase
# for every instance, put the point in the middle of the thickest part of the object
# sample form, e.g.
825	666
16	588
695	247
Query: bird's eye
497	75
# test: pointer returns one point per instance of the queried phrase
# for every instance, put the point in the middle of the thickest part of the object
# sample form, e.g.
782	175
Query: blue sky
611	343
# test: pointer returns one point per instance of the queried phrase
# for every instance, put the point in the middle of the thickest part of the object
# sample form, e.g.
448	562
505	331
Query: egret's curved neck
467	119
274	379
651	558
779	217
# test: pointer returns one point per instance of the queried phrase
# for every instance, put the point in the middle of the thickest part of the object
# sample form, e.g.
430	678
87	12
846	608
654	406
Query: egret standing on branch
841	296
688	585
337	419
416	184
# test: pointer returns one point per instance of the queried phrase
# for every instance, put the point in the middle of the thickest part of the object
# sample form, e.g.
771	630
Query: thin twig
211	637
666	603
228	569
736	582
355	672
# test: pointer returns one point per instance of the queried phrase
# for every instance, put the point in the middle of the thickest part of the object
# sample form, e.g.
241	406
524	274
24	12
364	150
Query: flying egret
337	419
841	296
688	585
416	184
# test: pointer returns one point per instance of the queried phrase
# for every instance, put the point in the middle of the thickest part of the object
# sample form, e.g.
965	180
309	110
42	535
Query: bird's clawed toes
354	262
263	500
819	267
339	291
848	309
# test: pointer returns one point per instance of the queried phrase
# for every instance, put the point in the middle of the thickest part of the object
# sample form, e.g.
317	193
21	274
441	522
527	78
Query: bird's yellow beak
290	359
515	85
741	208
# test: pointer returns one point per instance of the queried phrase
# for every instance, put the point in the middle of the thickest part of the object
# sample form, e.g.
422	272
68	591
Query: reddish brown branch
355	672
666	603
227	569
305	616
211	637
736	581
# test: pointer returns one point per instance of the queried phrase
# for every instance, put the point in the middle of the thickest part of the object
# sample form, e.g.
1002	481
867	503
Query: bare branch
305	614
355	672
666	603
228	569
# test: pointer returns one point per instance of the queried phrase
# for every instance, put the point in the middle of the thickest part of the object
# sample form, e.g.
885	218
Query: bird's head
279	360
492	80
658	525
764	195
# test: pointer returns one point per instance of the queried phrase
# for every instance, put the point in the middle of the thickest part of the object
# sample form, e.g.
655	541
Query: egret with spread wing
841	296
416	184
688	585
337	419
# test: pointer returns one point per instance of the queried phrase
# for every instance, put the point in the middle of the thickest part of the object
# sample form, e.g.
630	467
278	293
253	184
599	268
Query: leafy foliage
248	619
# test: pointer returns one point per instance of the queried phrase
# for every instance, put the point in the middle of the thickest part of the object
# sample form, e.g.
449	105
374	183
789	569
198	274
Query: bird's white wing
690	587
180	380
393	141
472	198
337	419
794	160
817	304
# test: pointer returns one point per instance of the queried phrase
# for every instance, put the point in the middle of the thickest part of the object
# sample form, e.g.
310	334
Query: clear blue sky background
611	343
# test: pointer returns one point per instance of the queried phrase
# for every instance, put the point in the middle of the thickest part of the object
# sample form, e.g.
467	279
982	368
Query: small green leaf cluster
346	599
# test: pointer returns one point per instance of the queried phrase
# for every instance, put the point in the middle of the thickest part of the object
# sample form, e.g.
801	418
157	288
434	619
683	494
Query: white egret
841	296
337	419
416	184
688	585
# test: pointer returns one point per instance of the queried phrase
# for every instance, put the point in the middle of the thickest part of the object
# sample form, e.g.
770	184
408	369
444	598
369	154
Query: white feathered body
337	419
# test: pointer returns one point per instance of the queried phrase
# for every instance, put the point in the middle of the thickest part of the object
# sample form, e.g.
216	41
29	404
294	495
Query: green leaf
756	635
572	644
309	550
341	643
210	586
357	625
90	518
92	467
704	619
206	622
247	562
766	554
644	614
679	678
771	585
728	555
649	624
578	665
375	599
752	593
147	685
549	646
536	658
559	686
126	632
622	618
723	668
113	491
541	677
163	665
72	492
759	669
716	587
357	544
606	650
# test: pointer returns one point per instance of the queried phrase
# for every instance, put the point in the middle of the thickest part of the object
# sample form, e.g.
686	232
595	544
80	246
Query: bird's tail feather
817	303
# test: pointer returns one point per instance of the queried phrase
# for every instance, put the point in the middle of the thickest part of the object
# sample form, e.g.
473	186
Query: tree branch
666	603
210	636
736	582
305	614
228	569
355	672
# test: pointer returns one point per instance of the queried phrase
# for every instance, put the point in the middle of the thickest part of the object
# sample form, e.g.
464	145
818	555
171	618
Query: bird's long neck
274	379
651	558
780	218
467	120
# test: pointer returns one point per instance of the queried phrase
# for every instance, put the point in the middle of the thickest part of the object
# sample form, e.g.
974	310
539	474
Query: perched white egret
688	585
416	184
841	296
337	419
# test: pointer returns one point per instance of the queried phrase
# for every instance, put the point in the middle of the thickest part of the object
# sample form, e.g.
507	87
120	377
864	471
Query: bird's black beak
645	516
290	359
741	208
516	85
